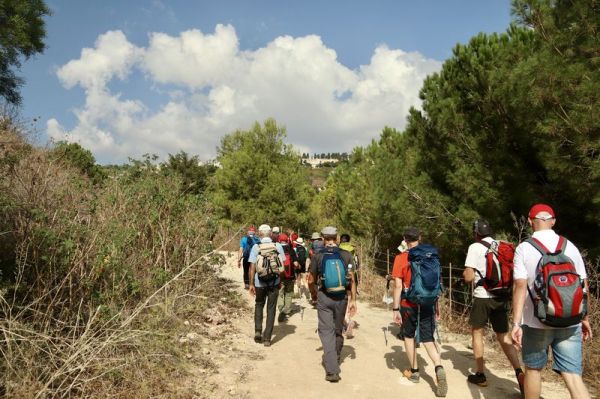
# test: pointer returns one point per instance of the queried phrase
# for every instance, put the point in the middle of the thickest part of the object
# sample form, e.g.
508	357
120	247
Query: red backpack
559	298
498	279
288	267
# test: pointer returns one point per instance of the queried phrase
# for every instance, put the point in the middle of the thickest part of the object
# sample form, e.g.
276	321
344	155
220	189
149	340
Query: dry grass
98	280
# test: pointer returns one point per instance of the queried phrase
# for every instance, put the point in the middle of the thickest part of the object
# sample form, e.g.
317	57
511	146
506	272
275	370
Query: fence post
387	276
450	286
388	261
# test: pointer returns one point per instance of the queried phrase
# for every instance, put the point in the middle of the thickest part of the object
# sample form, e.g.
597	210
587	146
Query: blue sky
316	66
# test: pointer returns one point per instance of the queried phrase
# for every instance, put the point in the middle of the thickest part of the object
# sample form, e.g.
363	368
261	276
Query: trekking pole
302	315
385	335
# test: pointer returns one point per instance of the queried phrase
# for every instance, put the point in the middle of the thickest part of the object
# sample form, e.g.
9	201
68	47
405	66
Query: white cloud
215	88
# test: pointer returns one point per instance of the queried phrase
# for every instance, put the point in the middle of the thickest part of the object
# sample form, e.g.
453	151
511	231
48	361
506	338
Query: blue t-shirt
246	244
254	255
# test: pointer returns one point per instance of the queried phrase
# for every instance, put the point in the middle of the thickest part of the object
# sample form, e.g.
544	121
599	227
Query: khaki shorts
492	310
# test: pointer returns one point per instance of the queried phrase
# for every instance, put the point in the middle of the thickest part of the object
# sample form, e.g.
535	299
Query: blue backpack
425	283
250	241
334	279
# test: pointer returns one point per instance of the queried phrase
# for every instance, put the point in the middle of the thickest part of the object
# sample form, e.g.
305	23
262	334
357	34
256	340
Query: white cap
264	228
275	229
299	240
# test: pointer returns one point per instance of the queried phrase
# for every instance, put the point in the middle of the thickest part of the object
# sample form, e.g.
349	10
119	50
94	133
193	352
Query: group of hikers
543	278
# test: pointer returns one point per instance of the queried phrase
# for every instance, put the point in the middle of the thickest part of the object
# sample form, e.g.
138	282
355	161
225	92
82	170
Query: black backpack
301	253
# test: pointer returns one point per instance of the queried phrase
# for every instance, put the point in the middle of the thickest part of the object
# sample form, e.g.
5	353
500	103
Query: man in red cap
288	278
549	305
246	244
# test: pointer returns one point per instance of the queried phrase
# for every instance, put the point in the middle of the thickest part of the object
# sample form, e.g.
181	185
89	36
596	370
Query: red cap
284	238
546	212
252	228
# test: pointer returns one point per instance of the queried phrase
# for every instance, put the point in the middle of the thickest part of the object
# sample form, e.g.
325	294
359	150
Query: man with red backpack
489	265
288	278
550	305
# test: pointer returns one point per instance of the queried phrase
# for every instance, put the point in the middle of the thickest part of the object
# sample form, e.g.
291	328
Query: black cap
482	227
412	234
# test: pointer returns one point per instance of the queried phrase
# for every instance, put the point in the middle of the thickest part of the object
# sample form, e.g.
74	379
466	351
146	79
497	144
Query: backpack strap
562	245
482	277
537	244
485	244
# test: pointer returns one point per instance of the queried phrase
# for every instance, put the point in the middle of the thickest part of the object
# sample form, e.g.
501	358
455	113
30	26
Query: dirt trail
291	367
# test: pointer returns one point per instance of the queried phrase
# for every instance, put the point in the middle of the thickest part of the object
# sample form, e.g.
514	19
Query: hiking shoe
282	317
521	381
412	377
442	385
258	338
267	343
332	377
478	379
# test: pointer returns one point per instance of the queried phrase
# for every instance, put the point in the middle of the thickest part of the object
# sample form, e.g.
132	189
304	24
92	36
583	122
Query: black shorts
491	309
426	322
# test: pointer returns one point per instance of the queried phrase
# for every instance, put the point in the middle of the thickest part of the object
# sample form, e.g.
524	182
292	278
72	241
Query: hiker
345	244
275	234
550	305
288	278
293	237
417	285
246	244
266	264
484	266
316	243
302	255
331	271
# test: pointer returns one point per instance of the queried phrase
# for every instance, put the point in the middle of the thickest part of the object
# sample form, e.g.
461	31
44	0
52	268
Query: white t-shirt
476	260
526	261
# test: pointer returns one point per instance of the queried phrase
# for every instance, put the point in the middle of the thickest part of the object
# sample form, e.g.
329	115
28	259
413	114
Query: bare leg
509	350
409	346
575	385
533	384
477	336
433	353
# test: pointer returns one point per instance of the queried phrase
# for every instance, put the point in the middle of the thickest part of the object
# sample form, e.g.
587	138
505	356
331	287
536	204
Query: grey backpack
268	264
559	298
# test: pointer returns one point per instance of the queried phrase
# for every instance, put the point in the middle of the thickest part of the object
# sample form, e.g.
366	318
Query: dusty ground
371	366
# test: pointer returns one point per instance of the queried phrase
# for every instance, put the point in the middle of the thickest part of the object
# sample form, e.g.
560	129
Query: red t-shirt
402	271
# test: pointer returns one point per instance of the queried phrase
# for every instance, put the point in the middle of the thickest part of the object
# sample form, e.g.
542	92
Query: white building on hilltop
315	162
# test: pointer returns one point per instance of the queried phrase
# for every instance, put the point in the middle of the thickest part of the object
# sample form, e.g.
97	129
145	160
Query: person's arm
312	279
586	327
470	262
469	274
240	254
519	296
397	296
352	306
251	271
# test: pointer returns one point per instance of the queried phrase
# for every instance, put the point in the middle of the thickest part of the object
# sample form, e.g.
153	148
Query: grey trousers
331	313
